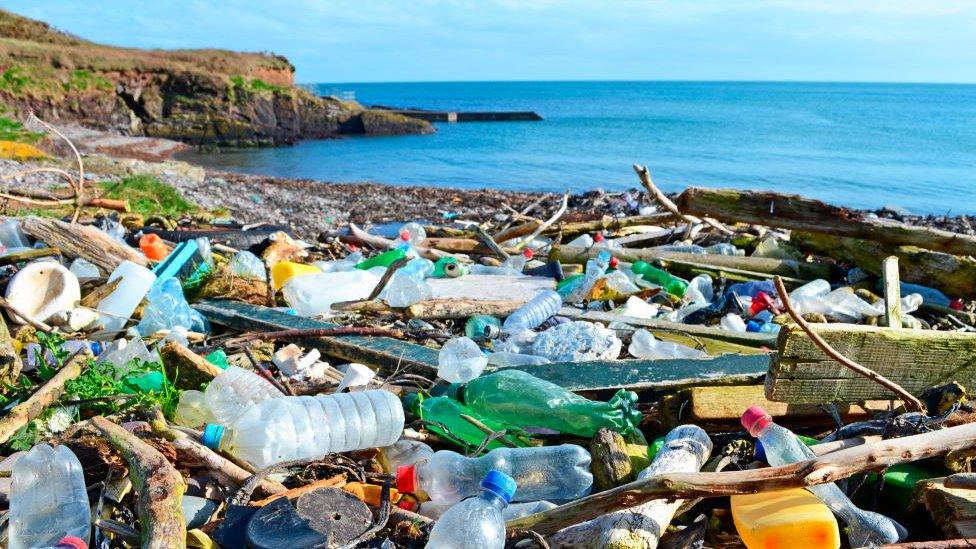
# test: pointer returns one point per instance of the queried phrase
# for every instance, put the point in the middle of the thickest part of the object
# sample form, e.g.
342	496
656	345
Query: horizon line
641	80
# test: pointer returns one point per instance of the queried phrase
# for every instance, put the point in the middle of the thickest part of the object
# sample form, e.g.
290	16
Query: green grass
149	196
14	79
11	130
82	80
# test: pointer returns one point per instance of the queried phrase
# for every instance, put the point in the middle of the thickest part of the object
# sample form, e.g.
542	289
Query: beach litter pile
729	369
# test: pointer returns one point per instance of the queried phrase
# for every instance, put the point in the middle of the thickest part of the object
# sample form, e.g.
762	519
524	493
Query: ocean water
859	145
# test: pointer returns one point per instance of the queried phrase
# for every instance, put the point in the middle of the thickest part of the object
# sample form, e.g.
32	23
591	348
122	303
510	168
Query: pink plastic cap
406	479
73	542
755	419
598	237
404	235
528	253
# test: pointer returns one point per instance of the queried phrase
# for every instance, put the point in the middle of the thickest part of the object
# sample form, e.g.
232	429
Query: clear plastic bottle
407	285
476	523
482	327
347	263
533	313
596	267
541	472
404	452
733	323
723	248
505	359
235	390
644	345
517	262
192	410
12	235
414	232
247	265
298	427
116	309
48	499
782	447
460	360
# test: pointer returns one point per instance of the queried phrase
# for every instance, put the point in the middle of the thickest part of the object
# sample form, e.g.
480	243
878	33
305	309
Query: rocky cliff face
202	97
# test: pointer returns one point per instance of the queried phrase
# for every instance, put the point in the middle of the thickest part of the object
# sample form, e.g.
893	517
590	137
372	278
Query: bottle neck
496	501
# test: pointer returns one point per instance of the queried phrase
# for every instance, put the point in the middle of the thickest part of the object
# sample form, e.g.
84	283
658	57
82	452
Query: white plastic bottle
192	410
48	500
533	313
550	472
116	309
460	360
235	390
287	428
476	523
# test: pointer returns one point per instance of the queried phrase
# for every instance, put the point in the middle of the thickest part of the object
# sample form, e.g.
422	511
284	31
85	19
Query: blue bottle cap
500	484
212	434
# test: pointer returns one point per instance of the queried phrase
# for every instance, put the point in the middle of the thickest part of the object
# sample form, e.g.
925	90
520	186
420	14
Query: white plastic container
48	500
287	428
460	360
551	472
476	523
192	411
644	345
235	390
314	294
116	309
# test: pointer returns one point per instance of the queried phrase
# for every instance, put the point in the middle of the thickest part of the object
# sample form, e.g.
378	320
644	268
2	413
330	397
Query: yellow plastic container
283	271
784	520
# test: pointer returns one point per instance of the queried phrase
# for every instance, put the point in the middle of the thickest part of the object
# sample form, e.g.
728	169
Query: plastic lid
598	237
72	541
406	479
755	419
499	483
404	235
528	253
212	434
614	262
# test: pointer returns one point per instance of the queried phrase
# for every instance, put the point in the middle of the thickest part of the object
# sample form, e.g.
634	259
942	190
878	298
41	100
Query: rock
577	342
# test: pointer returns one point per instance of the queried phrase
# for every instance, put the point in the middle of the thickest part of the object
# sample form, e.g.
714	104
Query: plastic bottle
644	345
192	410
414	232
48	499
345	264
671	284
384	259
723	248
287	428
521	399
235	390
733	323
750	289
114	311
482	327
407	285
247	265
524	509
446	412
12	235
782	447
167	309
460	360
596	267
476	523
517	262
533	313
153	246
542	472
404	452
784	518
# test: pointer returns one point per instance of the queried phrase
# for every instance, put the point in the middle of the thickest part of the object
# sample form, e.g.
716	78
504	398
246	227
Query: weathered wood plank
892	292
915	359
952	509
651	374
796	212
381	352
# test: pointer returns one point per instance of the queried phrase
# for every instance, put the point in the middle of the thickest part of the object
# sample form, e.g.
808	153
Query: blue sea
859	145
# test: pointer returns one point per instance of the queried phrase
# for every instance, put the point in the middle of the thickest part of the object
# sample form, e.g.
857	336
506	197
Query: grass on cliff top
11	130
149	196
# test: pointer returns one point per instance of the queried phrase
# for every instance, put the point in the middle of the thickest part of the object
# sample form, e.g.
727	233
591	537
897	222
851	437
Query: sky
454	40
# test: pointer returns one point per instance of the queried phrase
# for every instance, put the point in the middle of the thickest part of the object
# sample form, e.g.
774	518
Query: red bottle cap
404	235
598	237
762	302
406	479
956	304
73	542
614	262
528	253
755	419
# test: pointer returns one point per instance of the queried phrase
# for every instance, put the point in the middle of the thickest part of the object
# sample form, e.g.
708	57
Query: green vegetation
240	88
11	130
149	196
82	80
14	80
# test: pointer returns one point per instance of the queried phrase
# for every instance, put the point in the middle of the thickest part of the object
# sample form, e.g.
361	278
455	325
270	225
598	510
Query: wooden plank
892	292
915	359
791	211
381	352
651	374
952	509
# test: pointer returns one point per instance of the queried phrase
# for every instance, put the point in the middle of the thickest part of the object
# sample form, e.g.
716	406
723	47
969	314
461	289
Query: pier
449	116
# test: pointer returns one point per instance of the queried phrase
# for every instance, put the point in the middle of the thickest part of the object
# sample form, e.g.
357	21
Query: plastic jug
116	309
784	519
533	313
235	390
460	360
48	500
521	399
287	428
542	472
476	523
782	447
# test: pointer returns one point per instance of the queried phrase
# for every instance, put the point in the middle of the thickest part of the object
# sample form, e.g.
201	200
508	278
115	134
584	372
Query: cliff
202	97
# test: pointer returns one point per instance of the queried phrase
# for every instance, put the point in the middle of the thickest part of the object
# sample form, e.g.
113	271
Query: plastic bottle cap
956	304
755	419
598	237
500	484
72	541
614	262
528	253
212	434
406	479
404	235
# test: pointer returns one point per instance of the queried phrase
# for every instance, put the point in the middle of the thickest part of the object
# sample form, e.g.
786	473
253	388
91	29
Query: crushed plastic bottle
542	472
577	341
482	327
247	265
297	427
533	313
521	399
167	309
782	447
733	323
644	345
750	289
235	390
48	499
596	267
116	308
407	285
460	360
476	523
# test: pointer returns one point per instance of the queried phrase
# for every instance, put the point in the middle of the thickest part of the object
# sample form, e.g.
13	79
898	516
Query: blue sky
424	40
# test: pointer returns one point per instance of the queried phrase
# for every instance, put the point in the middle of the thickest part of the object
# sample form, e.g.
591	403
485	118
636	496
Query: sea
863	145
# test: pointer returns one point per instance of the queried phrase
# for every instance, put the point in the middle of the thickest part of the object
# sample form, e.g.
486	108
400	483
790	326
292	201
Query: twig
267	373
31	409
546	224
910	401
488	431
487	240
19	313
81	165
315	332
662	199
387	276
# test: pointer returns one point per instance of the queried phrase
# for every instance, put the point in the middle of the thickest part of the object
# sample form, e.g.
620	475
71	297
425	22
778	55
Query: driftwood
828	468
806	214
159	485
81	241
462	308
892	292
188	369
30	409
952	509
610	465
685	450
662	199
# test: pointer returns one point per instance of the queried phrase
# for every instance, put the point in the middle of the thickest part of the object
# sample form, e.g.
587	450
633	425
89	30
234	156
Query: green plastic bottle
384	259
446	412
521	399
671	284
482	327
